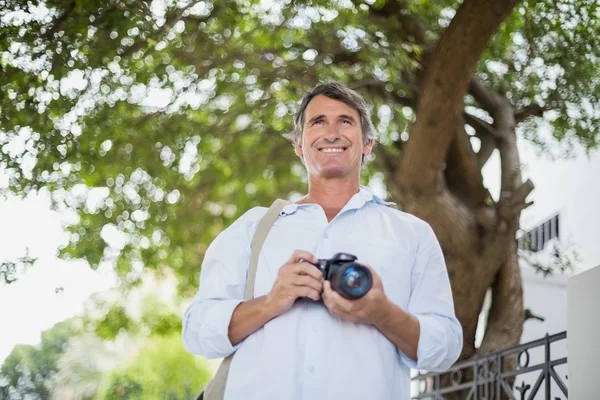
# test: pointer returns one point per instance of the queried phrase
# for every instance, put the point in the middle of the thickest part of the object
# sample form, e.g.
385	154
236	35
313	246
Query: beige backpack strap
215	390
262	230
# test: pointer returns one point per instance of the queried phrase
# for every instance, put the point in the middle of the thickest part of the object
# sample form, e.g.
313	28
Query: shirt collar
364	195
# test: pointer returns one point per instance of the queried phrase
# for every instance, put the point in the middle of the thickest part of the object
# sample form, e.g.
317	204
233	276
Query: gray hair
335	91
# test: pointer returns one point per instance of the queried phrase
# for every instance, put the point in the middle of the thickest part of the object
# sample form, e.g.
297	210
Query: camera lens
353	281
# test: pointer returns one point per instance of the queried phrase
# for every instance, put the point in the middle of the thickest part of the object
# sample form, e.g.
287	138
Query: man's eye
347	121
319	122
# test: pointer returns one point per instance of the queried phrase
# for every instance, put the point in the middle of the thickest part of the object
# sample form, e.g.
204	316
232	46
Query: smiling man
298	338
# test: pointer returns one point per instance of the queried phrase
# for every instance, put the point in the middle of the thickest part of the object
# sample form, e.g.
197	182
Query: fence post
547	367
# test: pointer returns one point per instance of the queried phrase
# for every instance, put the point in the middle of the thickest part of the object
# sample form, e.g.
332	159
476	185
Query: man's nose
332	133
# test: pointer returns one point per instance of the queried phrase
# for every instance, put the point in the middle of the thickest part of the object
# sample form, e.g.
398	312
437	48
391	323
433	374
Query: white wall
569	187
547	298
583	334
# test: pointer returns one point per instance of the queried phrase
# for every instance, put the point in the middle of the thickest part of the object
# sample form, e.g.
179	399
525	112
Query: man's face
332	143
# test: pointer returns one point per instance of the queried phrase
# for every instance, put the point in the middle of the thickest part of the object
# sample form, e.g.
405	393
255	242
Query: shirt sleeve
222	284
441	338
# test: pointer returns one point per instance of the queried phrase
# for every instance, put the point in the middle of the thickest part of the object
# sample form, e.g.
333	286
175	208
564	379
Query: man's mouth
332	149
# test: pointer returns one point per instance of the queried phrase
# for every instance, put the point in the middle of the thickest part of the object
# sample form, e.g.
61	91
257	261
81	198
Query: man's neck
331	194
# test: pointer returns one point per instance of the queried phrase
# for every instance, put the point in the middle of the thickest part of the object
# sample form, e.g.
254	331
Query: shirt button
315	329
311	369
326	236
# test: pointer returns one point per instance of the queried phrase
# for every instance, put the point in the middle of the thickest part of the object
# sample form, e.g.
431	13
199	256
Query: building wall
583	334
569	187
547	298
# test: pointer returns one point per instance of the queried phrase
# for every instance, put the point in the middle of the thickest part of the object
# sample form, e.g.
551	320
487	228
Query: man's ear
298	147
368	148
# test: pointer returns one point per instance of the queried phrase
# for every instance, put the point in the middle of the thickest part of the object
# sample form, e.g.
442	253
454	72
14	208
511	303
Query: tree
162	370
28	369
119	326
79	357
86	362
160	122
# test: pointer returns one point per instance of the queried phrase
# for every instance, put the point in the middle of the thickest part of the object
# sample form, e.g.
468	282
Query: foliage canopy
160	122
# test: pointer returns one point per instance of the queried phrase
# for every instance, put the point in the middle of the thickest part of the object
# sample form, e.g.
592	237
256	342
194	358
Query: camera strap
215	389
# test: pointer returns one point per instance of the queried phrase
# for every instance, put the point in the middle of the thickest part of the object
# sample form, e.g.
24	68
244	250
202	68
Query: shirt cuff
213	332
433	345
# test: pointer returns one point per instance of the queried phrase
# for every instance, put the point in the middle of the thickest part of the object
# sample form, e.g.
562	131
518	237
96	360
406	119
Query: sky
32	304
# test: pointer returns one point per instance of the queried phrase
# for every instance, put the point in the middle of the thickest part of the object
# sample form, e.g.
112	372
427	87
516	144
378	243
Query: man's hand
296	278
369	309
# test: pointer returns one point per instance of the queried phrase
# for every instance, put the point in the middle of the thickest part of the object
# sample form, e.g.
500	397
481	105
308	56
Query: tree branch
534	110
505	319
409	26
530	315
510	165
487	217
521	193
486	133
498	106
378	88
444	85
505	216
463	174
487	98
171	19
408	21
480	125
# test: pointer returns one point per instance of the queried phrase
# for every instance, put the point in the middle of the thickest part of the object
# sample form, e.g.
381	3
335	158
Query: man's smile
332	149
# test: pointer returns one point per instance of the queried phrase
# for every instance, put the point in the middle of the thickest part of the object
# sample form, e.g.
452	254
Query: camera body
347	277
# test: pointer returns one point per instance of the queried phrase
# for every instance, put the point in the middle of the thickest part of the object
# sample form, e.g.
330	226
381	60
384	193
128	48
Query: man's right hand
296	278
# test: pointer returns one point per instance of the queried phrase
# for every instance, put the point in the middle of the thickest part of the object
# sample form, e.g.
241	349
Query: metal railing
489	377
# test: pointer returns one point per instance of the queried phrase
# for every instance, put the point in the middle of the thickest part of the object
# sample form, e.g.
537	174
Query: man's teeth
338	150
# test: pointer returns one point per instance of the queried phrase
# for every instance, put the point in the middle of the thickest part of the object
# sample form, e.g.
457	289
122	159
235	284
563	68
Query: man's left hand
369	309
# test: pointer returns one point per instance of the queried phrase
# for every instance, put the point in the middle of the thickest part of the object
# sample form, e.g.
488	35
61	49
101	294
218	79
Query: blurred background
132	132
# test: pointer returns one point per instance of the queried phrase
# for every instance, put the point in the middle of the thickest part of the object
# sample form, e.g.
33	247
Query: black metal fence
541	373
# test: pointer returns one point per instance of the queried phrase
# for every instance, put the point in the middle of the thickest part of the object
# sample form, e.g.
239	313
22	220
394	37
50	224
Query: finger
308	281
300	255
326	290
305	291
330	306
334	308
340	303
305	268
328	297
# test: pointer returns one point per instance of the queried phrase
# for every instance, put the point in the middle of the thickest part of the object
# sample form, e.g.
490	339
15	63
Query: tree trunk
439	178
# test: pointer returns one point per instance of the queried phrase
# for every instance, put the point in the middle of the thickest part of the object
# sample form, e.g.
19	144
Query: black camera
350	279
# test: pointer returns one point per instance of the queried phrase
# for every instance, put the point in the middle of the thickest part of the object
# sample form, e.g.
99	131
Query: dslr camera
347	277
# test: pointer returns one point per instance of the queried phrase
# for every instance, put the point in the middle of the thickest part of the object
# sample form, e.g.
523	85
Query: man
291	347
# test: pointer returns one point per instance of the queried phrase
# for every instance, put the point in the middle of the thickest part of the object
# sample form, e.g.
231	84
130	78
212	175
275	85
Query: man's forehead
328	107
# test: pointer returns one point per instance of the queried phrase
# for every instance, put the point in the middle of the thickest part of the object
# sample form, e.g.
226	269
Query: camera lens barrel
351	280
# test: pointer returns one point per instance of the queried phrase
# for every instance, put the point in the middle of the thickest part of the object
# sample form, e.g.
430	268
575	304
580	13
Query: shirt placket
313	355
314	360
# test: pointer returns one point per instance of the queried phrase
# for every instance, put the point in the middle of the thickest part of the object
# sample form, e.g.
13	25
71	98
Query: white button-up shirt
308	353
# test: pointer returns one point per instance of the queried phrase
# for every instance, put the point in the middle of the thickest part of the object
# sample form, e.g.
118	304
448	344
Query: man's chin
332	173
